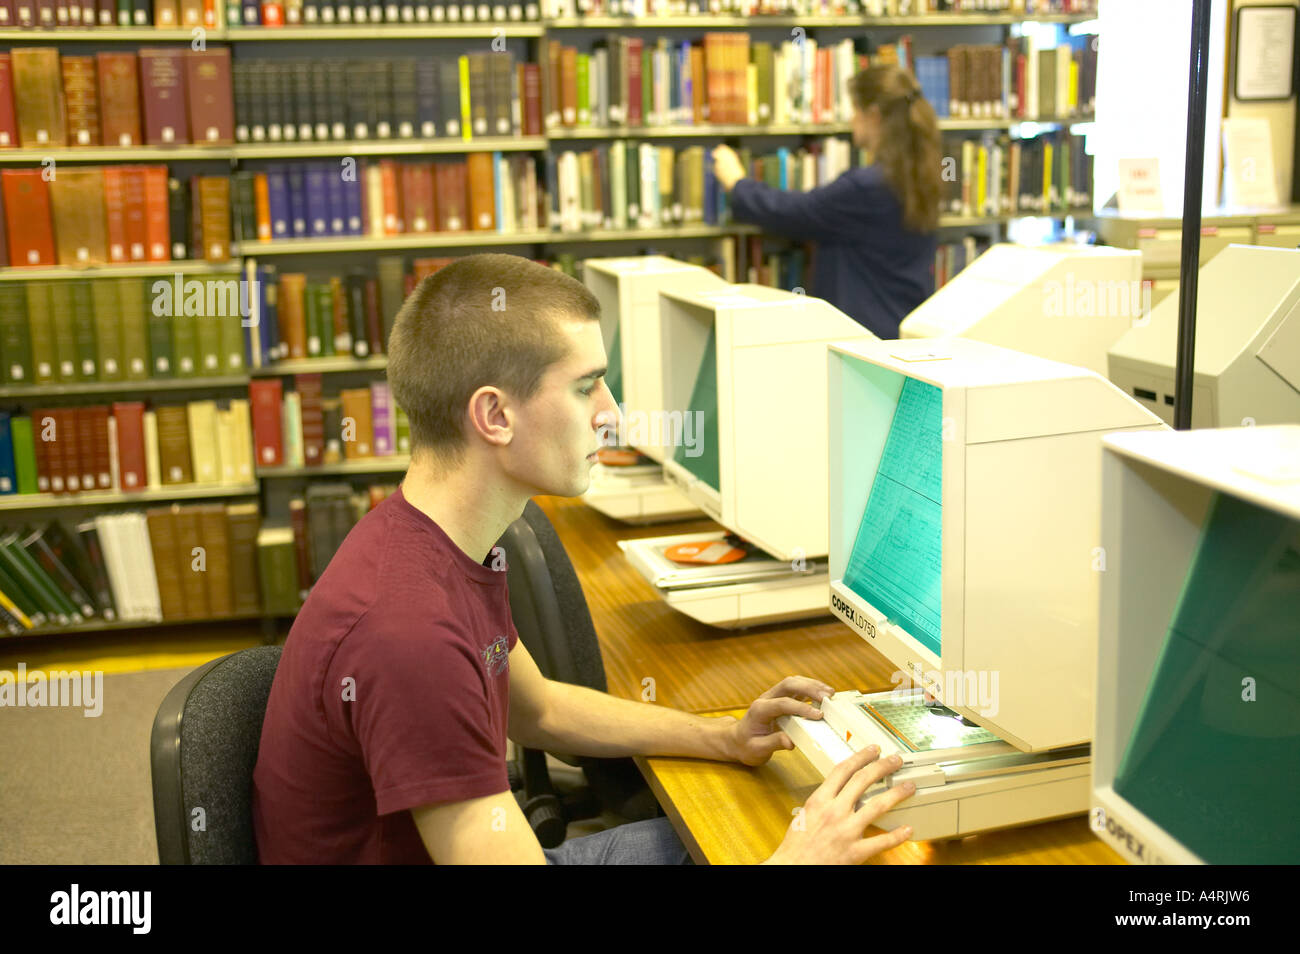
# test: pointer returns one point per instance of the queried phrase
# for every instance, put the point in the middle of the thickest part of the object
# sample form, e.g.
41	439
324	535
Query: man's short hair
482	320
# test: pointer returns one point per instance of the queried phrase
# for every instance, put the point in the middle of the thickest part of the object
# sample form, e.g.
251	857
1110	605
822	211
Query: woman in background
874	225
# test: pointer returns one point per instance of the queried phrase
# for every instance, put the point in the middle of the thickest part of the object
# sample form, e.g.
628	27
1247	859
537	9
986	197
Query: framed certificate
1263	58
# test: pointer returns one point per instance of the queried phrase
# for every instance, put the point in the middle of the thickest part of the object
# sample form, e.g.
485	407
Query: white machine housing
1021	507
1156	492
1066	303
1247	343
771	381
628	291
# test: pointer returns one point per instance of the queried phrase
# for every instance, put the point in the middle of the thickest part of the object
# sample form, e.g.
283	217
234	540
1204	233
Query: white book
114	464
618	182
202	419
241	431
375	200
106	528
570	193
505	176
649	161
225	447
145	575
152	463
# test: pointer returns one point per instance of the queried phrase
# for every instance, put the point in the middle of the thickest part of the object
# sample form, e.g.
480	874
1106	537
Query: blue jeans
650	842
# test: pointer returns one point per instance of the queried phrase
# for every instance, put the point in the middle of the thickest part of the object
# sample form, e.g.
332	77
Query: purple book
318	217
381	412
426	99
162	88
277	194
352	194
297	201
338	209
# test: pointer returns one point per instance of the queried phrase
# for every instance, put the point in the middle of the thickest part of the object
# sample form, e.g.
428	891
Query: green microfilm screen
704	401
896	562
1214	756
614	366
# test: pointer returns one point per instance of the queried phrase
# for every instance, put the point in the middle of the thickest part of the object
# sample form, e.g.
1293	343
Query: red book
1021	87
87	446
208	93
265	398
119	99
272	13
133	213
532	96
4	233
107	12
130	445
89	14
27	217
115	213
156	223
308	387
42	449
452	184
8	15
8	118
634	80
392	204
162	90
374	323
45	14
67	449
103	457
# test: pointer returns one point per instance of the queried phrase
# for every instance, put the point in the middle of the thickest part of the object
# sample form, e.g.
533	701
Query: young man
385	732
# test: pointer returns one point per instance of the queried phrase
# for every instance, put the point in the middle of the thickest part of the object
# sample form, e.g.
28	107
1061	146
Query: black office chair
551	614
201	755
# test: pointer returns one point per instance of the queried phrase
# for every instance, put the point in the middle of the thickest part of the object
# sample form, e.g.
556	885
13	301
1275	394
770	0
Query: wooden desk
731	814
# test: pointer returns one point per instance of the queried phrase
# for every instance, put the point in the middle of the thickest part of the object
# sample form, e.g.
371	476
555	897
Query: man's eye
586	392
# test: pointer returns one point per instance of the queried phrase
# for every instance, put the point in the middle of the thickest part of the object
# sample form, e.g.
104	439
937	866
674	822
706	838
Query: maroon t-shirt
393	692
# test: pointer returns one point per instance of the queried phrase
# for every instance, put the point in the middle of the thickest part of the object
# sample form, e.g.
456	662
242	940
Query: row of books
306	428
96	215
478	94
163	564
292	557
278	13
571	9
122	329
951	257
338	315
89	14
998	175
125	447
158	97
1013	80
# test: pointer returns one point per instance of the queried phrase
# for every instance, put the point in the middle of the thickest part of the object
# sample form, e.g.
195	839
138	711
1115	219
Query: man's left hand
754	738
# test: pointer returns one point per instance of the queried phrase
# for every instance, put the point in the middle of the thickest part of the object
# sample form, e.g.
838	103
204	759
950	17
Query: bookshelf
274	486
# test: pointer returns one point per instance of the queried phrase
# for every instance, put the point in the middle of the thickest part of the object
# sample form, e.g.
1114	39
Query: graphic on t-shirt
496	657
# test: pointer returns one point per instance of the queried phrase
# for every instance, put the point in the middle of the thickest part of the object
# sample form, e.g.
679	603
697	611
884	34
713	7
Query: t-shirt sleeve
421	717
841	211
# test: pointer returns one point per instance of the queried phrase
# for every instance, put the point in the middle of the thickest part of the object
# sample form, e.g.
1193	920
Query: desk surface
730	814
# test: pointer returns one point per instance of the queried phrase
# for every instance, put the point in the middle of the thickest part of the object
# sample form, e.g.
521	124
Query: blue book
297	200
335	200
352	202
277	194
318	175
270	324
426	99
8	475
252	13
783	168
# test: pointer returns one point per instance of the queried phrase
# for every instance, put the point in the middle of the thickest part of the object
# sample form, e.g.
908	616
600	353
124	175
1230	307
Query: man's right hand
829	830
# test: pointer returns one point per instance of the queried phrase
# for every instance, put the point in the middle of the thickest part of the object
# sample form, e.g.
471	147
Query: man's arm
479	831
574	720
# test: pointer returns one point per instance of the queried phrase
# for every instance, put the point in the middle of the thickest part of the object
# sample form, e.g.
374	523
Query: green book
15	335
311	309
647	86
392	292
584	89
403	430
65	341
40	322
47	583
185	344
106	305
325	309
207	358
83	330
30	583
162	357
20	429
232	344
20	597
137	343
277	566
124	13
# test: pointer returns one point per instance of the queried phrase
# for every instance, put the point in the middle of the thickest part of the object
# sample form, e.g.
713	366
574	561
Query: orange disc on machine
617	456
706	551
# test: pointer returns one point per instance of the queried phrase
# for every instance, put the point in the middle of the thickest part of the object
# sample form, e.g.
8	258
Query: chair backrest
201	755
547	603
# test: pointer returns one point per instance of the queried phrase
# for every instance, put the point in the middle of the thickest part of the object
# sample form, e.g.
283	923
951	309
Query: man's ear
491	416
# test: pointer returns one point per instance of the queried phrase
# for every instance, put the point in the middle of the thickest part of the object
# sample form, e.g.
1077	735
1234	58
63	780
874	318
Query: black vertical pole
1185	367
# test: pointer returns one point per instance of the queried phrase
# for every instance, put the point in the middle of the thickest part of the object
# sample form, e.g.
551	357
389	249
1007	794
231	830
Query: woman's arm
839	211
